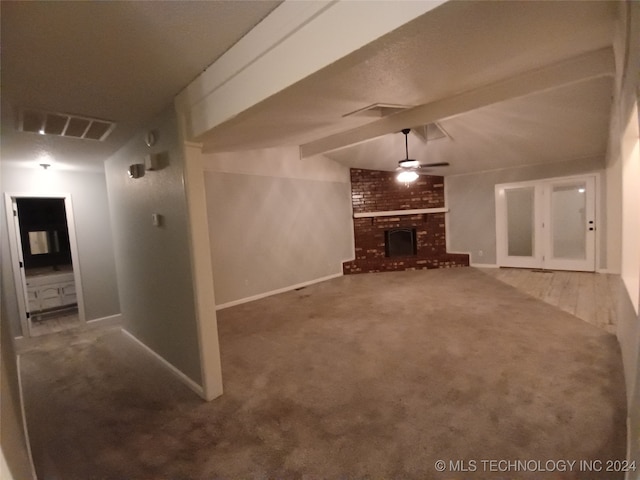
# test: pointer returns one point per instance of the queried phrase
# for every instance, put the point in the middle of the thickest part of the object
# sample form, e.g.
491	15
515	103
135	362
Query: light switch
156	219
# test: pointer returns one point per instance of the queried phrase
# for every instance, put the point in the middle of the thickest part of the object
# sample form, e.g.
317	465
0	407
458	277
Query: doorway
44	256
547	224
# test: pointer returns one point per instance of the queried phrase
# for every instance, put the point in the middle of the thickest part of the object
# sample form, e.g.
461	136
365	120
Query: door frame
541	214
15	246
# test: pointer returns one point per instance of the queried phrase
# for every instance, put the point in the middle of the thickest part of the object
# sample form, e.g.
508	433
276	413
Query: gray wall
472	208
278	223
627	46
153	263
93	231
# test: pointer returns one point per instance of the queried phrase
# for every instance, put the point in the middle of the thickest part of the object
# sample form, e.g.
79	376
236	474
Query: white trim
18	276
395	213
483	265
75	257
202	273
277	291
179	374
24	419
108	320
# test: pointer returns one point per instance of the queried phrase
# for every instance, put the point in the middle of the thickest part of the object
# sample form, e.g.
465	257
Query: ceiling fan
409	169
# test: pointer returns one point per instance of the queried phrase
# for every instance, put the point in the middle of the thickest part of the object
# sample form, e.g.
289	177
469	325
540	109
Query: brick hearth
377	191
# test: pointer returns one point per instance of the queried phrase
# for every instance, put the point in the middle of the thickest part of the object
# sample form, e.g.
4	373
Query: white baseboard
105	321
484	265
275	292
24	419
179	374
607	271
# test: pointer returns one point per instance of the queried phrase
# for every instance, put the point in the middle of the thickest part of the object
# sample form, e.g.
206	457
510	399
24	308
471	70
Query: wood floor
589	296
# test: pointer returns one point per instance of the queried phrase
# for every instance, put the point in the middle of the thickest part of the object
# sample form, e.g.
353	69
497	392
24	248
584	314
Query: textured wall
376	191
93	231
275	221
154	263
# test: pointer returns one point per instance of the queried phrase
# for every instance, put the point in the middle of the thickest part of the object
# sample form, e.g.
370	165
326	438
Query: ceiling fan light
409	163
407	176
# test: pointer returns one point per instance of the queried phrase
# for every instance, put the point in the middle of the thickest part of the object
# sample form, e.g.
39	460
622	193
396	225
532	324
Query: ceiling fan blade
437	164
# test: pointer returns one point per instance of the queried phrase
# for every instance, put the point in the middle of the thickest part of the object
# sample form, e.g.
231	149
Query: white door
547	224
570	225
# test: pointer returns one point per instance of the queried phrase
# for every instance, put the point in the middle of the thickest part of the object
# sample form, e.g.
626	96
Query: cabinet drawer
50	302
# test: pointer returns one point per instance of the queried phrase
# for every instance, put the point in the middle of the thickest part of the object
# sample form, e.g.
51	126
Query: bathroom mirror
42	242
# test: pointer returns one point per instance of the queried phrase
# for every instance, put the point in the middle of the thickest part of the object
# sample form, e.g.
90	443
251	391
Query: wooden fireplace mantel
395	213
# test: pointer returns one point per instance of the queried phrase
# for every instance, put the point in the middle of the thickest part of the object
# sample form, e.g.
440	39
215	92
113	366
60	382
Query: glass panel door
571	225
516	226
547	224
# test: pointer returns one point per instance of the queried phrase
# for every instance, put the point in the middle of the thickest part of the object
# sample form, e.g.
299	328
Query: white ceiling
125	61
122	61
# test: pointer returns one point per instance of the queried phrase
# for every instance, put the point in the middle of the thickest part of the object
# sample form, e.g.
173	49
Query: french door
547	224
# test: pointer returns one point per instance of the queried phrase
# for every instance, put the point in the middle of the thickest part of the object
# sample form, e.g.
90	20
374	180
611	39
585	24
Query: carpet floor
364	376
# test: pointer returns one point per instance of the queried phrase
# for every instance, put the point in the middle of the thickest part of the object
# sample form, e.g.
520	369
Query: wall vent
64	125
378	110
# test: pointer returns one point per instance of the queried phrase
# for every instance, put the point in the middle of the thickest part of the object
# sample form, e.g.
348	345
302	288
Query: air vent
430	132
64	125
378	110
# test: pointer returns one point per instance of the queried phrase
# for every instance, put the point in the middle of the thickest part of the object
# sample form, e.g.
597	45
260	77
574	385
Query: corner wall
154	263
275	221
93	231
623	167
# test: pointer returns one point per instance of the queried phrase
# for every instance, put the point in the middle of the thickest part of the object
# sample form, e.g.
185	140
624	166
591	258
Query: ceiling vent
64	125
378	110
430	132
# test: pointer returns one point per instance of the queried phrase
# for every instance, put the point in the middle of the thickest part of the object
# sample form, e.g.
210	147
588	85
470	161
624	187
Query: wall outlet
480	253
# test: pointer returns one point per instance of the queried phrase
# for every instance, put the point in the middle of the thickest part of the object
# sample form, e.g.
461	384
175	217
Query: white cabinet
51	291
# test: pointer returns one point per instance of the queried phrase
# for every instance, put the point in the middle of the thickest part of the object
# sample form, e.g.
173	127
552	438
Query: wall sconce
45	165
136	170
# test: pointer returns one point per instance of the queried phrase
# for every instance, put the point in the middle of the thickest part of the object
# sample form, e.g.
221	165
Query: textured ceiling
122	61
125	61
457	47
563	124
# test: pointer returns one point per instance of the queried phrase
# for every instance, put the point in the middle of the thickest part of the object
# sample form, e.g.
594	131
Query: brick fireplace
398	227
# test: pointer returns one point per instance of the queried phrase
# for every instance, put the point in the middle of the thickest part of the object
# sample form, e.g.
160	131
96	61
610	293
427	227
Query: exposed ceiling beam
590	65
275	54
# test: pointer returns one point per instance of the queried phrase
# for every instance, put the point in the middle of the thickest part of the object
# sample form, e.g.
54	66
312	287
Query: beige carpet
364	376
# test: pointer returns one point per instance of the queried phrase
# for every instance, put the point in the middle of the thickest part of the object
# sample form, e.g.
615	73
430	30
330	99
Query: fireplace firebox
400	242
